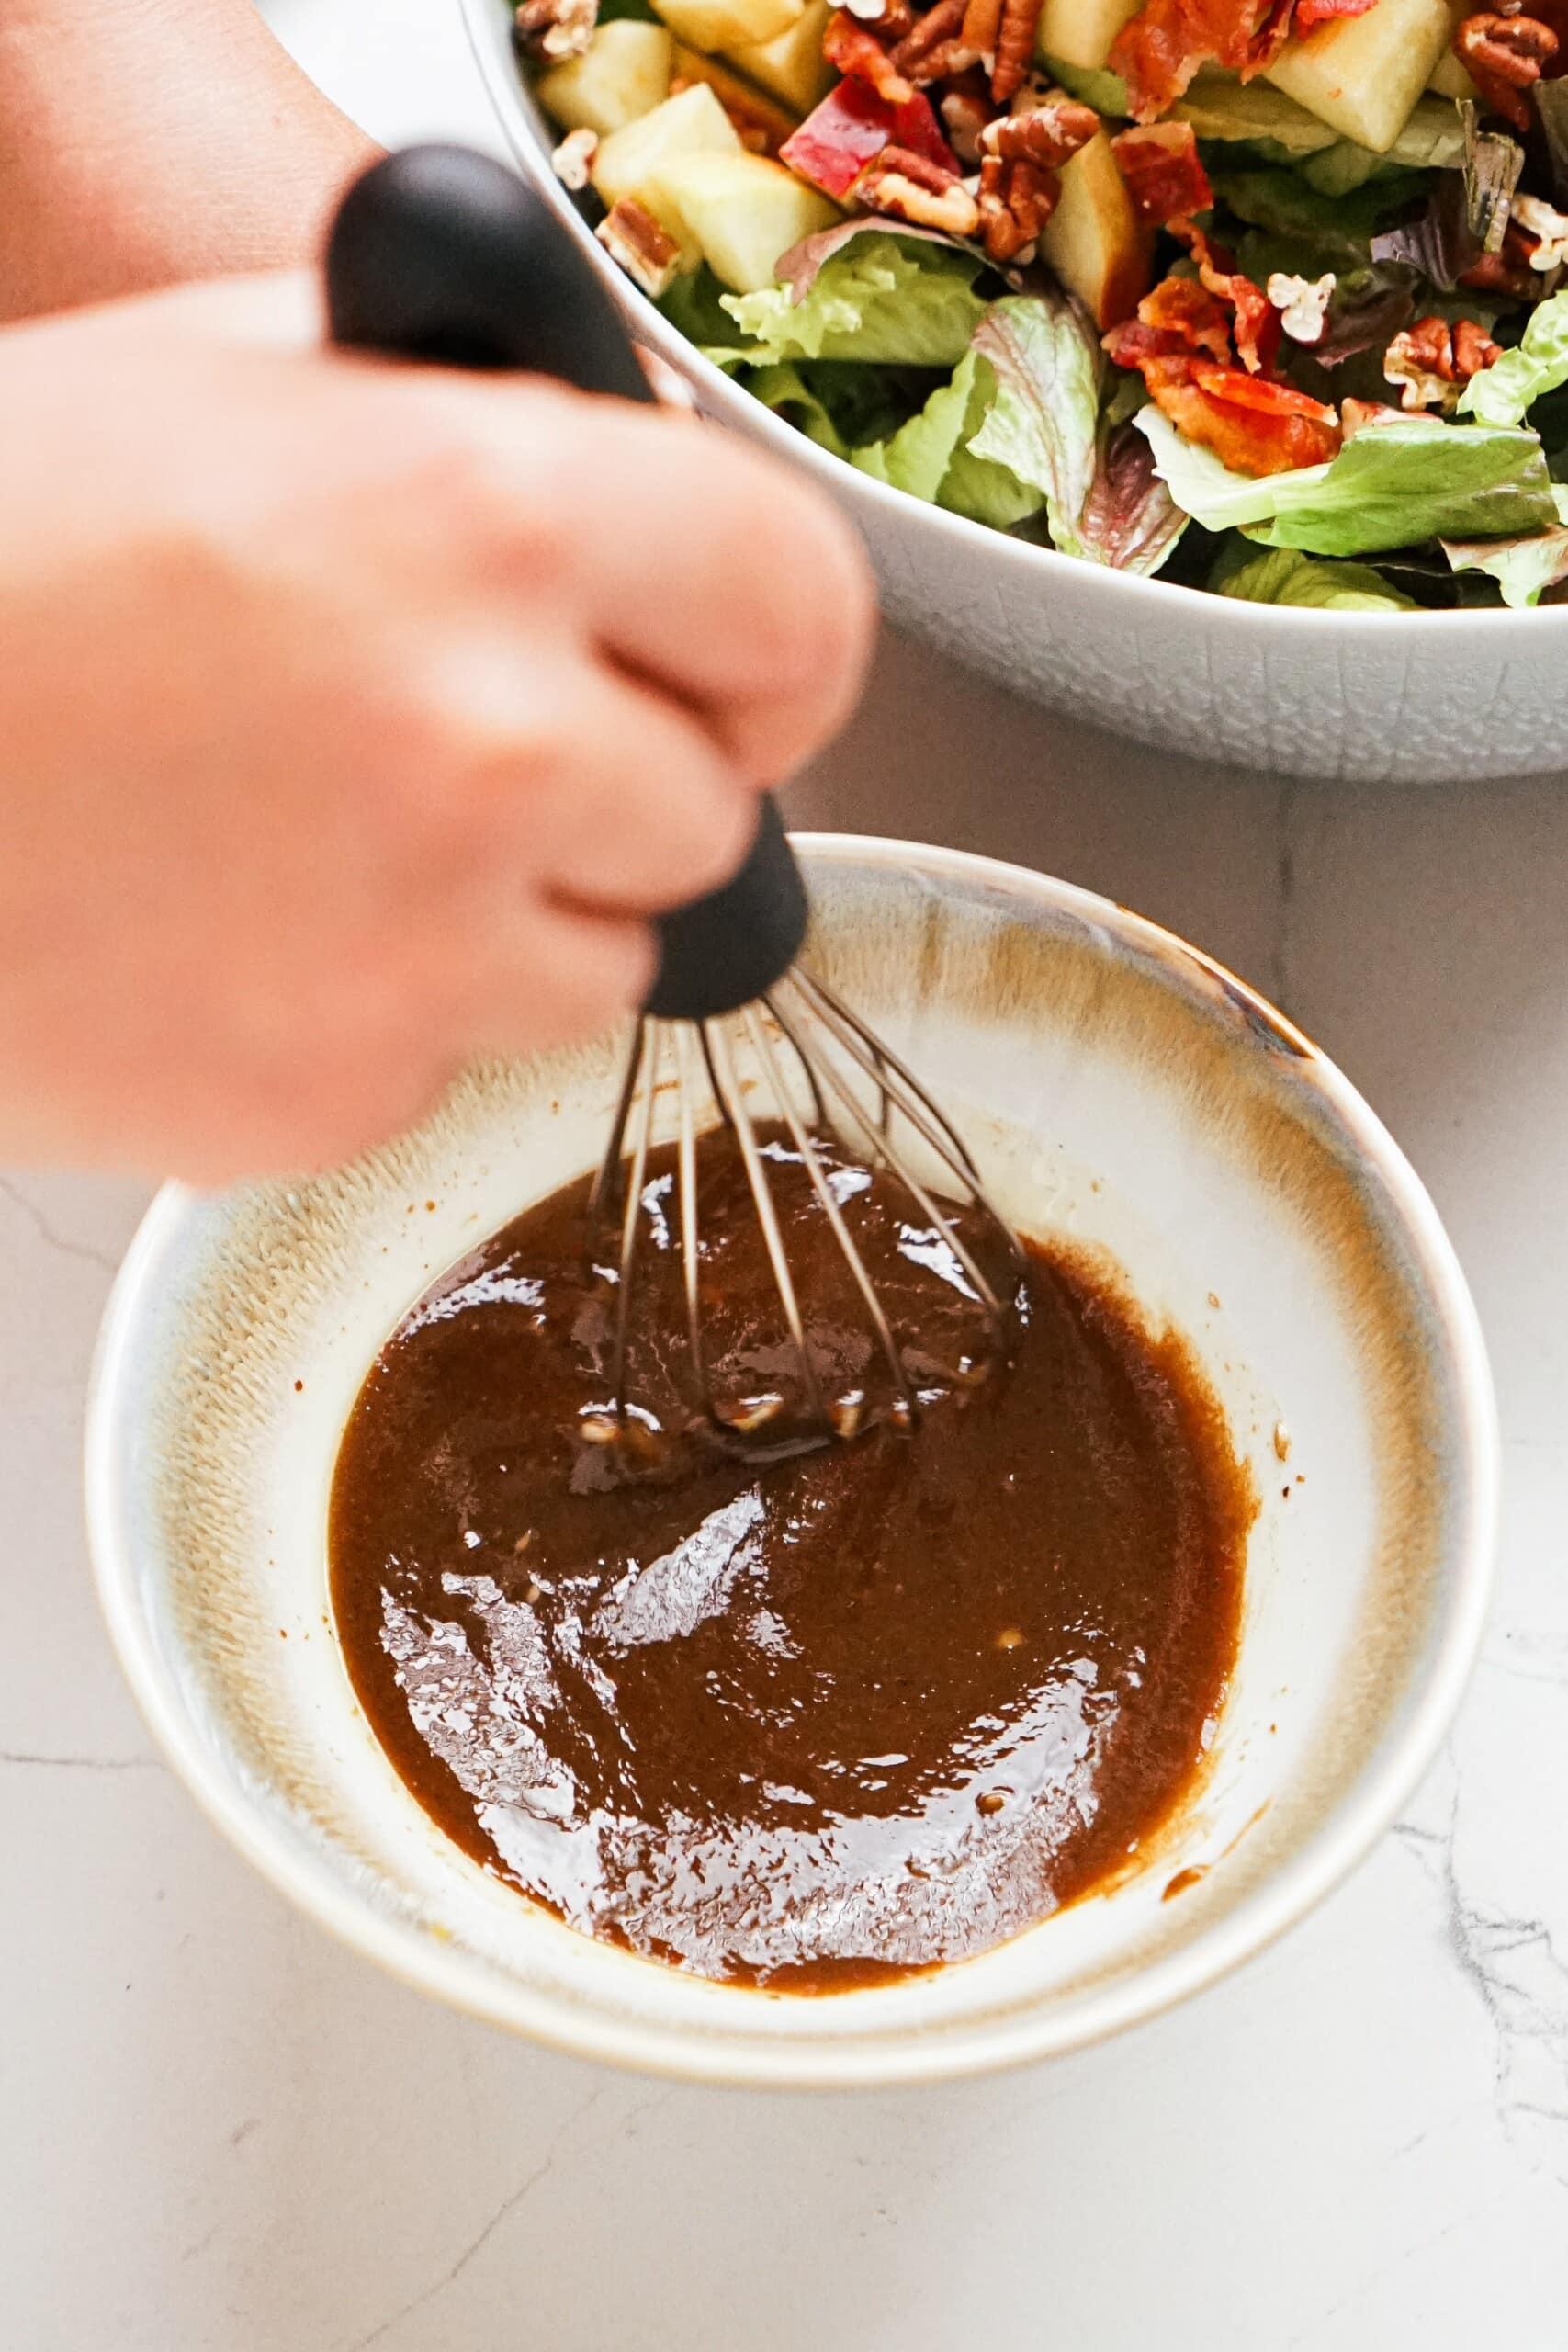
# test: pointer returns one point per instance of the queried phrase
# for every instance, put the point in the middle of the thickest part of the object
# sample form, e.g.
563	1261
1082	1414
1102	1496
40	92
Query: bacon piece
1252	426
856	50
1257	327
1182	308
1164	172
1160	50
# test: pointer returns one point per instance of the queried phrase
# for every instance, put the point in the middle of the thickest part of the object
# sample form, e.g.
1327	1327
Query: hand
353	719
155	141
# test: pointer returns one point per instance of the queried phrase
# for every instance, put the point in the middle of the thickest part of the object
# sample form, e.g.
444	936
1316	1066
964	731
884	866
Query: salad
1265	296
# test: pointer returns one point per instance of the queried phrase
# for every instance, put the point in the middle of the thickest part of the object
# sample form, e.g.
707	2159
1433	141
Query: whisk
440	254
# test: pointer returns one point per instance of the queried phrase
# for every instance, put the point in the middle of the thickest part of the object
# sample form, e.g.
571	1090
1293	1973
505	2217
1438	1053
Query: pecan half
1046	135
911	187
1504	54
1548	227
1017	198
936	48
1473	350
1015	46
573	161
546	32
982	24
856	50
642	246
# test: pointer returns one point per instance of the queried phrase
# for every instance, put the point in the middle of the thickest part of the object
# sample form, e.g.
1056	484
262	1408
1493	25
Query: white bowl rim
991	2042
649	324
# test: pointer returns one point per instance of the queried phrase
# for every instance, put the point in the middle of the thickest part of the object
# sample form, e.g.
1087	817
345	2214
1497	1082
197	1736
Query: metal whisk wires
780	1034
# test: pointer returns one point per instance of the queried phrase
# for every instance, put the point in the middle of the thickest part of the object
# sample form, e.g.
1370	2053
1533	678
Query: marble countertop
218	2132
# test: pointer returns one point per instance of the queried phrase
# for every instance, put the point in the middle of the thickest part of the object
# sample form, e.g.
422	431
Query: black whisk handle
441	255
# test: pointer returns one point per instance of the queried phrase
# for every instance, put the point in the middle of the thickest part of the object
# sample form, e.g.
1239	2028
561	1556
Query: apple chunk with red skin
850	128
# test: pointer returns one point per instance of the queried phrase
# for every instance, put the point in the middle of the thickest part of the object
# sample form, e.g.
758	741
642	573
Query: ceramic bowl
1396	697
1117	1087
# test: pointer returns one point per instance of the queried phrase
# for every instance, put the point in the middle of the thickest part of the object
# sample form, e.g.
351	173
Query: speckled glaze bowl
1387	697
1118	1088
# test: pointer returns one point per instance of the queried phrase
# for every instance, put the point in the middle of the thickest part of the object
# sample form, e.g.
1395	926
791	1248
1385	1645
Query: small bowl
1394	697
1119	1088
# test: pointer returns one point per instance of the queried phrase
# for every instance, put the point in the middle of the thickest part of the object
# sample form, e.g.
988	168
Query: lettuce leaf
1340	228
876	297
1414	478
1522	568
1130	520
1538	364
1015	428
1287	577
786	391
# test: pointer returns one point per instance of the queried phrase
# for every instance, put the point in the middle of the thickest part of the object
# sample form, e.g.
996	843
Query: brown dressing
812	1723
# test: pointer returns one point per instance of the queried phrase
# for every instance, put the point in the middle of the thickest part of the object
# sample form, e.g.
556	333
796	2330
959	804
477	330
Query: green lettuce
1014	430
1340	228
875	297
1523	568
1538	363
1413	477
1285	576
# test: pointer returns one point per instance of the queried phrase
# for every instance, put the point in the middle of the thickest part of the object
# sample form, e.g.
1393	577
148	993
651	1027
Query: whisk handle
441	255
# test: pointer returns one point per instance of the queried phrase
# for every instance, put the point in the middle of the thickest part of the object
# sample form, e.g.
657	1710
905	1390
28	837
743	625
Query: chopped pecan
910	187
573	161
1507	272
1046	135
856	50
642	246
1015	46
965	114
1163	171
1502	54
1548	227
546	32
1301	302
1430	360
1473	350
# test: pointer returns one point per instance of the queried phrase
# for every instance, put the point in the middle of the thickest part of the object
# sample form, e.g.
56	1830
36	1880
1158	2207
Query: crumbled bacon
1356	415
1160	50
1163	170
1187	315
1253	426
854	50
1256	321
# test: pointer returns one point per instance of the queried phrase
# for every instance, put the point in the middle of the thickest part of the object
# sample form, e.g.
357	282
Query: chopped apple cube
1363	74
1080	31
851	126
727	24
743	211
690	123
792	64
1093	241
624	72
761	123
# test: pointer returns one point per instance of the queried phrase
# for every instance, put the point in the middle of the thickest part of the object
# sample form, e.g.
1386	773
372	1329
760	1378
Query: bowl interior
1117	1087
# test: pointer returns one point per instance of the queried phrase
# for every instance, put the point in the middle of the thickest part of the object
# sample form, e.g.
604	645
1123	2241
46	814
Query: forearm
152	141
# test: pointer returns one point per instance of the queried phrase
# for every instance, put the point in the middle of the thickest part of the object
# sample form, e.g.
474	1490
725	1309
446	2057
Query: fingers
697	564
598	789
554	973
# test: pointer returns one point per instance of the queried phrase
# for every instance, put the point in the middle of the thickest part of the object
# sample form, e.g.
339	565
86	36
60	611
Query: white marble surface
220	2133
